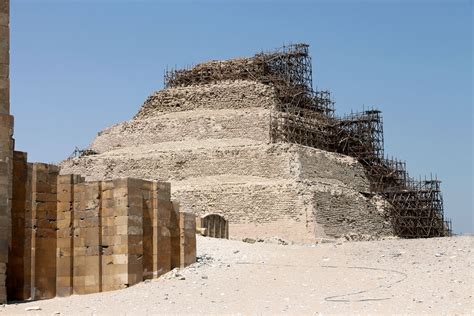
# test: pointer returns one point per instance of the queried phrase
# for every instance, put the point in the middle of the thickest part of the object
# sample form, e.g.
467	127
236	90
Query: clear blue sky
80	66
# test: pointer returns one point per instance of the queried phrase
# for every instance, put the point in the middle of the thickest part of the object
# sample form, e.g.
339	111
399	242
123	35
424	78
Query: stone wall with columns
77	237
60	235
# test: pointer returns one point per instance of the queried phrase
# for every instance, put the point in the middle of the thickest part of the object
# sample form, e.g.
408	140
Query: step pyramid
212	142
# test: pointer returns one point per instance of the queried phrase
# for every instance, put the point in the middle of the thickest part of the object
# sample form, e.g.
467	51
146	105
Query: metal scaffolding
419	209
306	117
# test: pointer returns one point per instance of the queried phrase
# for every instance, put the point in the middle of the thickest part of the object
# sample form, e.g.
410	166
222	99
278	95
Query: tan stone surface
212	143
19	265
44	242
258	184
4	57
194	126
78	237
236	94
65	241
187	235
6	145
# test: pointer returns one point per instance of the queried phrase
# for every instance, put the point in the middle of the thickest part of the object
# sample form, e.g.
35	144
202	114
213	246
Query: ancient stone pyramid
213	133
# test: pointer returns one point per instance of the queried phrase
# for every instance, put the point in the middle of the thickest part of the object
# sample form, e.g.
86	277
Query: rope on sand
339	298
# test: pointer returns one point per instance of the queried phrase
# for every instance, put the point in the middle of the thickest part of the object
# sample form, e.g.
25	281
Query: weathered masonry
6	144
61	235
75	237
250	140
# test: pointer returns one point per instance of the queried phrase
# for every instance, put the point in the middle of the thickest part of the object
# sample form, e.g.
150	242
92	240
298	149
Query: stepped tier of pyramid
212	142
250	140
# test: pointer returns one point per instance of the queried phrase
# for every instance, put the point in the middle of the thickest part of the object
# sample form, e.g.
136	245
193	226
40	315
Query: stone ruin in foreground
62	235
249	139
70	236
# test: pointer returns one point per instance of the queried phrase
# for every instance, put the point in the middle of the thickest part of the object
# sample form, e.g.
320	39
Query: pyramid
213	142
250	140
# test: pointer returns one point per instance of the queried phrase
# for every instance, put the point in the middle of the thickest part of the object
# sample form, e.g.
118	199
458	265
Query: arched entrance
216	226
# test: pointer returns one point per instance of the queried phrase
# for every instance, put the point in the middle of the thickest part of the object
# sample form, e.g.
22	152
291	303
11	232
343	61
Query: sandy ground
423	276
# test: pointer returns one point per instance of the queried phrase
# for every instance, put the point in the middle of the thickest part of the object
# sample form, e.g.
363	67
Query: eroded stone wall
83	237
44	224
197	126
212	142
343	214
235	94
19	261
6	145
264	190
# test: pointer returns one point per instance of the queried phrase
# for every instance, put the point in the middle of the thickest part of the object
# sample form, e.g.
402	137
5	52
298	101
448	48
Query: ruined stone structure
213	142
249	139
6	144
75	237
62	235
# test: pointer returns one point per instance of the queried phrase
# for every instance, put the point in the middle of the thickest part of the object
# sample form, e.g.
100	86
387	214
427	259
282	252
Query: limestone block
3	290
44	242
175	239
19	267
4	45
187	226
91	236
191	126
6	130
4	19
163	190
65	218
5	6
237	94
4	90
162	236
7	162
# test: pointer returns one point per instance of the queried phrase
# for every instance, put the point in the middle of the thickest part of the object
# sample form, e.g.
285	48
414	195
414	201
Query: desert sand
420	276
